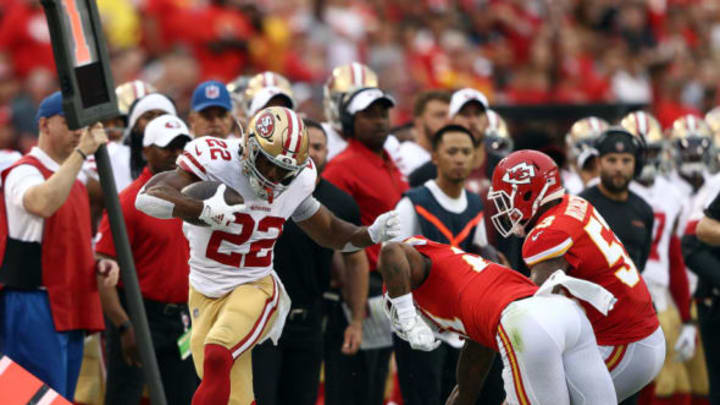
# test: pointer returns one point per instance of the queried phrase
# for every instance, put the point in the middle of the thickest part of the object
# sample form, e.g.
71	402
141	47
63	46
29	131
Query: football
202	190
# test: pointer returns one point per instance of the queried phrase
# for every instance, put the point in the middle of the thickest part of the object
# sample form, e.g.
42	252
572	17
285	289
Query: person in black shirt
701	250
289	373
629	216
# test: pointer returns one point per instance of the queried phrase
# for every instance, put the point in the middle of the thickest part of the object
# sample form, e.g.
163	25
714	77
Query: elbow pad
154	206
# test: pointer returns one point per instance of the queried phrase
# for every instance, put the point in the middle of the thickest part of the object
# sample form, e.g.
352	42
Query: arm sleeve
679	285
409	224
307	208
700	259
19	181
196	158
713	210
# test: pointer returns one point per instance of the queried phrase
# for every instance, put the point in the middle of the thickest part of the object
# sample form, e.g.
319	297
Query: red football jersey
575	230
464	293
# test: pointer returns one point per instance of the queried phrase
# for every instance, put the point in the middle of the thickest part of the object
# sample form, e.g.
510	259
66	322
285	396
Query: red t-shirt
374	182
466	294
158	246
575	230
25	36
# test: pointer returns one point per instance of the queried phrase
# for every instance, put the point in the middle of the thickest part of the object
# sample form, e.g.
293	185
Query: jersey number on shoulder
658	229
477	263
218	148
605	240
260	254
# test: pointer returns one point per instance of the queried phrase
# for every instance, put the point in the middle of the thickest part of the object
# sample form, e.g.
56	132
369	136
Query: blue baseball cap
211	94
51	105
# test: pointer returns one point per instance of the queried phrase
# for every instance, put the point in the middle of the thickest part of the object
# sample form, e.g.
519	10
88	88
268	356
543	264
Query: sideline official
50	296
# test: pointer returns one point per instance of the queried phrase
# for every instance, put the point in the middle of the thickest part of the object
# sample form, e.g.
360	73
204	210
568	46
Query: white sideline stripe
48	398
4	364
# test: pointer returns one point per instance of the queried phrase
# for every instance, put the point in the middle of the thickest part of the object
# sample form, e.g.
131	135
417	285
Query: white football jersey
571	181
667	204
694	205
220	261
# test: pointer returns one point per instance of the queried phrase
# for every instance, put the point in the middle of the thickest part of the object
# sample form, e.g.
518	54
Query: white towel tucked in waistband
597	296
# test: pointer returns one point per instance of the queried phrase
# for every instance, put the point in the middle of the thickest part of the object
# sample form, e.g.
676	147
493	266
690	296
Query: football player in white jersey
236	300
664	272
581	153
343	80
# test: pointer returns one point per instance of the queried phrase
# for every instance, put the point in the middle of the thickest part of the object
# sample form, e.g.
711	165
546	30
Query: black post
129	276
83	67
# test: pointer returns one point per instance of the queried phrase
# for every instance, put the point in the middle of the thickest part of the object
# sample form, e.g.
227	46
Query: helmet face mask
692	145
276	136
521	183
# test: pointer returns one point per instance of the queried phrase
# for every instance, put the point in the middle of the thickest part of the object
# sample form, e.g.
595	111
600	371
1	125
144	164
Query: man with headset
366	171
629	216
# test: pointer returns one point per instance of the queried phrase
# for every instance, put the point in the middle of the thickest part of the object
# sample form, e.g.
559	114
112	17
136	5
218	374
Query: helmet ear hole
527	196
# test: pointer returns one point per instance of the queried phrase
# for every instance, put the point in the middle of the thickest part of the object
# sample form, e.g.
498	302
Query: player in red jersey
545	340
566	232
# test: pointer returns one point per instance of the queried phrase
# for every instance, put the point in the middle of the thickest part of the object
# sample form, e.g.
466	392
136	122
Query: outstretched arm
329	231
472	368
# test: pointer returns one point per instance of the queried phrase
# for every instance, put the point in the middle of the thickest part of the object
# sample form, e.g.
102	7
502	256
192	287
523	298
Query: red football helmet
521	183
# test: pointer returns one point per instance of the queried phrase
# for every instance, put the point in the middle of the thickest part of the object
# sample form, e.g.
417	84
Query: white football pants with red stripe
635	365
550	354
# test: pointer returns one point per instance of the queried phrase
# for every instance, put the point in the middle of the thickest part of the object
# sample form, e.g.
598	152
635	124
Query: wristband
124	326
404	307
84	156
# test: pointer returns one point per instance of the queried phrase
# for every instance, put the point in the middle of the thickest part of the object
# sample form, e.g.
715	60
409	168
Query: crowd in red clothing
658	52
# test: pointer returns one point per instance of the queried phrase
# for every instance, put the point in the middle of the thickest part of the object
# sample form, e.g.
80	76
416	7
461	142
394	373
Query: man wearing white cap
467	109
161	260
366	171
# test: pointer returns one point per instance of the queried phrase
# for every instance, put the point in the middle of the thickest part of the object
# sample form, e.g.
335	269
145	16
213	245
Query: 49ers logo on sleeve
265	125
521	173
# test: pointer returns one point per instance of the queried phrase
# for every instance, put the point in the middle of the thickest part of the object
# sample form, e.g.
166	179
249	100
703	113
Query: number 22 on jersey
260	254
607	243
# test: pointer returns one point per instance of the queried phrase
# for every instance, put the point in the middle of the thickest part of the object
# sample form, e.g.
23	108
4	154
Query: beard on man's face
615	183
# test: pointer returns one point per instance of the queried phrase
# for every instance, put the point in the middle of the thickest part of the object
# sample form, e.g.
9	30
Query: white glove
386	227
217	213
418	334
408	324
685	343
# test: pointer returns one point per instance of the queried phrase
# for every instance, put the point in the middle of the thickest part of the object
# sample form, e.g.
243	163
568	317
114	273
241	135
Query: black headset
347	120
637	141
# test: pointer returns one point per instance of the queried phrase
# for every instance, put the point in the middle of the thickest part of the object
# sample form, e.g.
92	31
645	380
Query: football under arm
161	196
331	232
473	366
541	271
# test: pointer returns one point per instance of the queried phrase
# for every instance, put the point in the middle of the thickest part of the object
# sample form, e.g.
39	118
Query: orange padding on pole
18	386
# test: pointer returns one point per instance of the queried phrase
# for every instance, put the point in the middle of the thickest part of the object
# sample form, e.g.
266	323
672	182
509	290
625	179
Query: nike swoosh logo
534	237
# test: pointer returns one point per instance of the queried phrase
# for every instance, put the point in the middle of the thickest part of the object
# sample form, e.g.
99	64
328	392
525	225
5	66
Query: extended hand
91	138
685	344
353	338
386	227
418	334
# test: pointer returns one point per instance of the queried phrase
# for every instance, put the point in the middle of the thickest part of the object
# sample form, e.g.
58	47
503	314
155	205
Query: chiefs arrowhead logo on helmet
521	173
265	125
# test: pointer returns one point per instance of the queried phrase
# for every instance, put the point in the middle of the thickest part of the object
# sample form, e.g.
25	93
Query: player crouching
545	340
236	299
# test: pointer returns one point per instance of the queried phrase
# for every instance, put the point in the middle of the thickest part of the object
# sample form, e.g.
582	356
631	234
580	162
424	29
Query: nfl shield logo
212	91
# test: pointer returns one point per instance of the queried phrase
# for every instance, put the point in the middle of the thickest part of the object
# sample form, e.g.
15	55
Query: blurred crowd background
518	52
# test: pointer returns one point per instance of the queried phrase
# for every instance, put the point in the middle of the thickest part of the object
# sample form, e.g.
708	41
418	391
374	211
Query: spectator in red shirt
366	172
161	256
25	38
